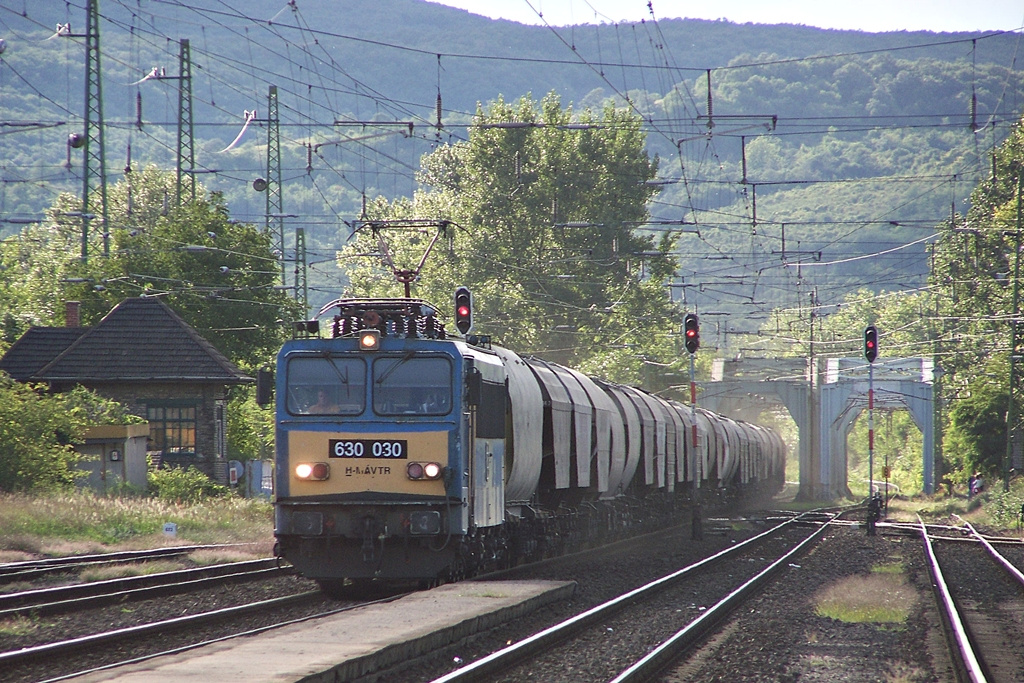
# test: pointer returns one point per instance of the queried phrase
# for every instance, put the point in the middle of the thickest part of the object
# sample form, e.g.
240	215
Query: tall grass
83	520
992	508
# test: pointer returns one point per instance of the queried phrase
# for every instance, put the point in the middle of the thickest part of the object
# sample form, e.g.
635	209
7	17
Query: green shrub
183	485
37	430
1004	507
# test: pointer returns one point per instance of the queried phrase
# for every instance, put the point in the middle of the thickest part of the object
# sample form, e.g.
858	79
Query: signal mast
691	340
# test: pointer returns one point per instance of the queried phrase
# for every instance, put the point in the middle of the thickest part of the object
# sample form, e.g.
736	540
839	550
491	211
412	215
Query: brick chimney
71	314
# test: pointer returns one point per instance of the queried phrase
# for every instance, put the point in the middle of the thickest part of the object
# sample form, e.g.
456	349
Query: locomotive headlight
424	470
313	471
369	340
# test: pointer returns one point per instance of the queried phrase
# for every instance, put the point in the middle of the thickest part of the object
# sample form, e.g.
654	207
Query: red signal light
463	310
691	332
870	343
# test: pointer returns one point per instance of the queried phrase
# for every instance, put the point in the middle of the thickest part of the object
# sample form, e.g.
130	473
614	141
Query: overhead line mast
186	147
94	166
95	149
275	202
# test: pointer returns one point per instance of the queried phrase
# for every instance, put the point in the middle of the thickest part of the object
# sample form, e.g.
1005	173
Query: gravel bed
641	627
781	637
777	638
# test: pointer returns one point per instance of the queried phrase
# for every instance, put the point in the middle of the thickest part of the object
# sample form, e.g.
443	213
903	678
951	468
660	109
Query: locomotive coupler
369	536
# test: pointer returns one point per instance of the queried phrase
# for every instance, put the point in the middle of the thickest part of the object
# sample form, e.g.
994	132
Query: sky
860	15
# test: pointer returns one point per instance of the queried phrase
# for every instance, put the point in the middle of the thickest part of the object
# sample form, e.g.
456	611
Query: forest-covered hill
824	146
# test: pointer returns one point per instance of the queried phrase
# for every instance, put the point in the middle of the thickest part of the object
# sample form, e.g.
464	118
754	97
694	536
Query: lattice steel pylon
94	172
275	204
186	147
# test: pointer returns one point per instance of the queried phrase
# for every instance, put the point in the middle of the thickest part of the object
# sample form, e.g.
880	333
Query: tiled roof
36	348
141	339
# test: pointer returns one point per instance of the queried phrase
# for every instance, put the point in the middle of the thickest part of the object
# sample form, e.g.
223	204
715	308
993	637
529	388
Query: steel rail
908	529
69	592
966	660
996	555
28	569
59	600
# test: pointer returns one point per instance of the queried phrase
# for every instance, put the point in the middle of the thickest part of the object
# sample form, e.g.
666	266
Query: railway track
63	648
980	592
655	607
32	570
65	629
66	598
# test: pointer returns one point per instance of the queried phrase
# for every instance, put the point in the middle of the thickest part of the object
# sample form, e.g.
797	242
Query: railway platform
351	644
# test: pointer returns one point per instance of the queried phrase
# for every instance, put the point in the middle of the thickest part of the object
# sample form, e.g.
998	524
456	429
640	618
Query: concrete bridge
825	399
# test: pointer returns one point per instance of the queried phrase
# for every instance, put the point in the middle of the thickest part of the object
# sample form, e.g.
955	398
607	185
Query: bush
183	485
1004	507
37	430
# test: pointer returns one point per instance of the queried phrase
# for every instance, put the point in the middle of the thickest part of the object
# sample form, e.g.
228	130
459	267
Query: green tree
976	440
250	429
543	206
35	265
220	276
898	443
973	274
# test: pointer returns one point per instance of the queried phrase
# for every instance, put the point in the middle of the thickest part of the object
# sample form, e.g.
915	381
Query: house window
172	430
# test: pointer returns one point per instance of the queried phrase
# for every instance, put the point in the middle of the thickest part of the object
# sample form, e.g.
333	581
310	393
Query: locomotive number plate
370	449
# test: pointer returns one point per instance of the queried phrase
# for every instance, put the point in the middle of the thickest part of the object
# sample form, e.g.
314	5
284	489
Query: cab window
326	386
412	386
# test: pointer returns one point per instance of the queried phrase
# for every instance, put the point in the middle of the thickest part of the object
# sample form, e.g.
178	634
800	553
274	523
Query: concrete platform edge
367	665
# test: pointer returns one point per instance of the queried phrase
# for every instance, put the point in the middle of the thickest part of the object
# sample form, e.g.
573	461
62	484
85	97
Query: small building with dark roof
143	355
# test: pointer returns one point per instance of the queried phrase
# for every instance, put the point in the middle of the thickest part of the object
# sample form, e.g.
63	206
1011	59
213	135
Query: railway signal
691	332
875	502
463	309
870	343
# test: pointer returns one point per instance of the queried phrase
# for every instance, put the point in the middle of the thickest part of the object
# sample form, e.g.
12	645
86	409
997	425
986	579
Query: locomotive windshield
412	386
326	386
